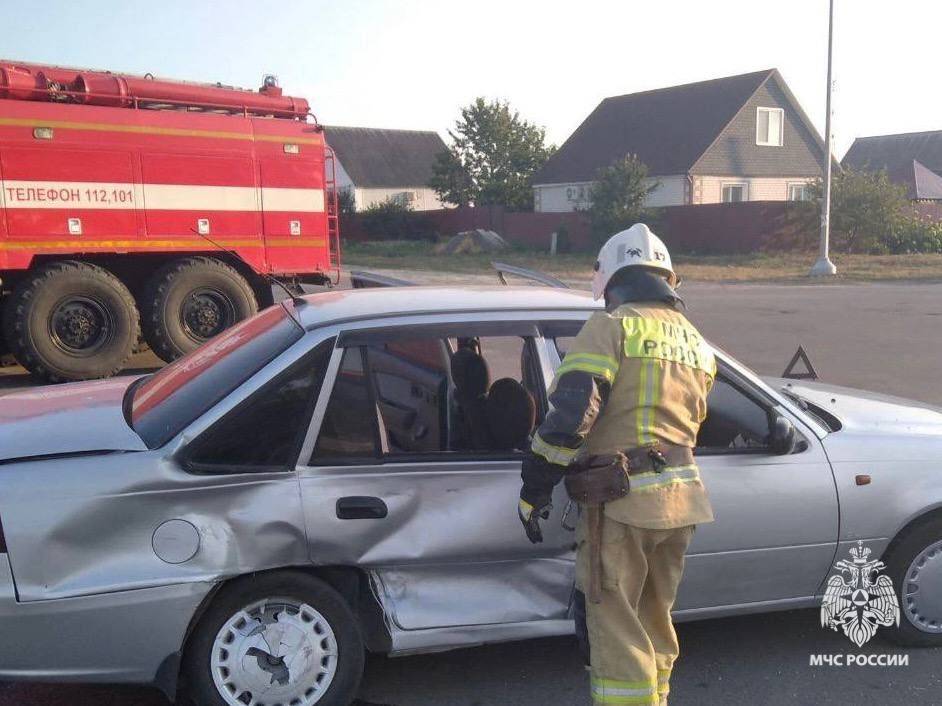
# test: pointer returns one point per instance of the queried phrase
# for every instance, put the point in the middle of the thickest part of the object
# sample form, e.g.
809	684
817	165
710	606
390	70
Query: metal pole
824	266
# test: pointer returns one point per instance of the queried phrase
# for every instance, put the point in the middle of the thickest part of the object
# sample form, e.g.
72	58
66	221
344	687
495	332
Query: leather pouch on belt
600	480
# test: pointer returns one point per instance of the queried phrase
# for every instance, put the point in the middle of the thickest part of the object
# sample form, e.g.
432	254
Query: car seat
472	378
511	415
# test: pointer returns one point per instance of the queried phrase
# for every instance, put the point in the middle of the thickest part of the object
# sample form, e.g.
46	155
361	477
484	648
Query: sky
412	65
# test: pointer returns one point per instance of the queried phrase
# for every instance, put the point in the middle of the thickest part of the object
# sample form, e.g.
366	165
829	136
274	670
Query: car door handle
358	507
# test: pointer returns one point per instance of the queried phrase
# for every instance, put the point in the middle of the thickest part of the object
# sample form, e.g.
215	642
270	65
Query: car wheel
190	301
915	565
275	639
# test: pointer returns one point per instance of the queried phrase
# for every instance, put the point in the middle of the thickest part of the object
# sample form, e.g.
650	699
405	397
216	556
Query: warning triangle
800	357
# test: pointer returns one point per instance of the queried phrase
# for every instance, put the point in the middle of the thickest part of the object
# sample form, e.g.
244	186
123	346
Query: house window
404	198
734	193
769	126
576	194
799	192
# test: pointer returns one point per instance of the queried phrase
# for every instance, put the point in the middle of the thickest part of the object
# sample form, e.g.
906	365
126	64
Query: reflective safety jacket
633	376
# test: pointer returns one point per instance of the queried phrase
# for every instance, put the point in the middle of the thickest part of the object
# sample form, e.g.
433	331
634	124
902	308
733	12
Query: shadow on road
759	659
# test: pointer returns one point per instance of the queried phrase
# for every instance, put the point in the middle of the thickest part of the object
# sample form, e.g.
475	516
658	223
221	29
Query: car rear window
161	405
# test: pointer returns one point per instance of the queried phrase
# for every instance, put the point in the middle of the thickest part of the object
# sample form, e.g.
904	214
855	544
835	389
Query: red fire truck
134	205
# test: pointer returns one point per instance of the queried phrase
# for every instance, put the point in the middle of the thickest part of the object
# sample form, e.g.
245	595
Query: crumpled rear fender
98	524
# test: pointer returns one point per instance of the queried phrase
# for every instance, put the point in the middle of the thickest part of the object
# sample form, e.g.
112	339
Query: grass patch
756	267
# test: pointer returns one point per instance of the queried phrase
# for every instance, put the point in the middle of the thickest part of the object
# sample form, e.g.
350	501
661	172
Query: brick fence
713	228
928	210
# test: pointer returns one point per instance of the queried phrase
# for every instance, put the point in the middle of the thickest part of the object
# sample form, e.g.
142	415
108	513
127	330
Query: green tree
866	209
394	220
493	157
618	195
346	202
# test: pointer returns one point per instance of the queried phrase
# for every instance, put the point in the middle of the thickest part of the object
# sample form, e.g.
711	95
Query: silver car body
84	503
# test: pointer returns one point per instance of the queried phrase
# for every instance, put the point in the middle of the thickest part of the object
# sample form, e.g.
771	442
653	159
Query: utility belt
601	479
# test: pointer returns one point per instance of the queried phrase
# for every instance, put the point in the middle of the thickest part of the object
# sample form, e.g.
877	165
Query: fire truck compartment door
68	196
293	213
180	190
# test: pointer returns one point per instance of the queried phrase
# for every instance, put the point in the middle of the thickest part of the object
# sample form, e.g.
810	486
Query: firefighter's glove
530	517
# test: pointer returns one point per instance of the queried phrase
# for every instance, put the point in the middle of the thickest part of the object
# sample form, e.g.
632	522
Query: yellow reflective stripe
655	399
663	682
656	339
642	400
559	455
652	700
675	475
601	365
647	401
612	691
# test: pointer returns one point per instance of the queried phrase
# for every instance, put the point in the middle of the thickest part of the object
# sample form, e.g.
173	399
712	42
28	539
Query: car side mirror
783	439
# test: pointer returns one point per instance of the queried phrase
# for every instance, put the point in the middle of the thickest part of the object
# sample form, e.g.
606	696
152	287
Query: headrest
470	373
511	414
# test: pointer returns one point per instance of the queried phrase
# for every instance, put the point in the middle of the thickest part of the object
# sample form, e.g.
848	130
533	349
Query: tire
216	660
71	321
189	301
915	565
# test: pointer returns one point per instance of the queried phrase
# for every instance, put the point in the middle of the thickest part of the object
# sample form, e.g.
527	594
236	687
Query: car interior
433	395
430	395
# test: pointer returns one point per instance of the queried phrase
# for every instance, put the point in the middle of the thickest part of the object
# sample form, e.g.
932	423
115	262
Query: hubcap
80	325
276	652
206	313
922	590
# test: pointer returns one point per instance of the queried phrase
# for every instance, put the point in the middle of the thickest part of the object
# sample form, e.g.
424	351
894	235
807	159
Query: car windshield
160	406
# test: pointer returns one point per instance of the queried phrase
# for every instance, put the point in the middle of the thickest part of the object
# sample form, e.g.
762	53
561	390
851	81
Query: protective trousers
631	636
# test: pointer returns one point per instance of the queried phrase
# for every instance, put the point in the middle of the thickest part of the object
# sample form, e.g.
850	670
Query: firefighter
625	408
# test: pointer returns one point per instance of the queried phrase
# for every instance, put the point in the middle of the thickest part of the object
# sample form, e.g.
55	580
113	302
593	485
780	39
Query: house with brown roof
740	138
913	160
376	165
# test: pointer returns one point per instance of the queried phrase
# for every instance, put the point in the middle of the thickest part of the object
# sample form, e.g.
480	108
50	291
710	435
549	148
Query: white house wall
425	198
670	192
364	197
709	189
555	198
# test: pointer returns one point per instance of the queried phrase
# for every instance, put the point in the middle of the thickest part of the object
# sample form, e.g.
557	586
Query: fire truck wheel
189	301
71	321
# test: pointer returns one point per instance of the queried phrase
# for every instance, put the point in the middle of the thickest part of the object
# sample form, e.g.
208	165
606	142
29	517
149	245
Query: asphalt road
736	661
883	337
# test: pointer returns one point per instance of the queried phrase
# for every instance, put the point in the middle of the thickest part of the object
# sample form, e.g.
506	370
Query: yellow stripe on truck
80	245
153	130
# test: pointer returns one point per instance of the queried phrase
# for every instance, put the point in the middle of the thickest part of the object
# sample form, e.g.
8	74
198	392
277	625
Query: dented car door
385	487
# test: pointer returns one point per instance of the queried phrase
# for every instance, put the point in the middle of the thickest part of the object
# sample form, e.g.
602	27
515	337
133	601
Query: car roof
379	302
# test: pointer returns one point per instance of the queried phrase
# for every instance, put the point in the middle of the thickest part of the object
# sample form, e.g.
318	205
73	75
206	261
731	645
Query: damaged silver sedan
339	474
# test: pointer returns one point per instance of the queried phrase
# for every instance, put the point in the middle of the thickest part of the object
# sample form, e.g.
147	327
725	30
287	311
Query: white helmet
635	247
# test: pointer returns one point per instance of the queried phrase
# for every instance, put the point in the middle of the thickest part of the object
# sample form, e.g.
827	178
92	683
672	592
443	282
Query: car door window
266	431
735	421
348	430
432	395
